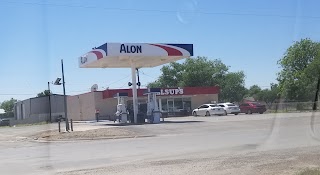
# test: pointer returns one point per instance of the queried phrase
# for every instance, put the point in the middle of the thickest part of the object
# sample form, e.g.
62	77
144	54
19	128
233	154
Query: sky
247	35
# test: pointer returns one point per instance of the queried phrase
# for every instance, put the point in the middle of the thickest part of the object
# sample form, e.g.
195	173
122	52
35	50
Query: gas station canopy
134	55
124	55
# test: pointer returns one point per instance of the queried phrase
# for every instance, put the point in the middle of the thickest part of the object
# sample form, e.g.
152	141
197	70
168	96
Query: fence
291	106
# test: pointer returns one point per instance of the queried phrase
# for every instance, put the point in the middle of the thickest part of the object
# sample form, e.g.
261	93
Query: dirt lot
284	162
82	131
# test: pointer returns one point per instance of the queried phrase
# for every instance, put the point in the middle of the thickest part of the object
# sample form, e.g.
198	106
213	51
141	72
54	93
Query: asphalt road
202	143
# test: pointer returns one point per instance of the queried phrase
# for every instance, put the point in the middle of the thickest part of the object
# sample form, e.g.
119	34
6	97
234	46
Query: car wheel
249	111
225	112
260	112
207	113
195	114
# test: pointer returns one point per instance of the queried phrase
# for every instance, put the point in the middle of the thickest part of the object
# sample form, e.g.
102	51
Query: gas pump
153	111
122	113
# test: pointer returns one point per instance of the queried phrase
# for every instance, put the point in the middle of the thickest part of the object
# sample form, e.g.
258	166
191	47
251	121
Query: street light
57	82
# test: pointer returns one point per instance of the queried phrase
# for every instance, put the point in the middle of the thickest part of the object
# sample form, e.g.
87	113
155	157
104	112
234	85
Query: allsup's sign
175	91
109	93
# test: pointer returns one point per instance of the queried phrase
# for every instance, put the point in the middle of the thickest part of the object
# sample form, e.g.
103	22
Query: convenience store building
172	101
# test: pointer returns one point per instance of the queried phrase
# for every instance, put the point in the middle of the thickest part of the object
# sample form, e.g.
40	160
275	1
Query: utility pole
65	98
316	97
50	115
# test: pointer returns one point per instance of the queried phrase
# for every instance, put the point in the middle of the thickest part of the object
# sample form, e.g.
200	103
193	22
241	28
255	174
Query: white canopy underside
130	61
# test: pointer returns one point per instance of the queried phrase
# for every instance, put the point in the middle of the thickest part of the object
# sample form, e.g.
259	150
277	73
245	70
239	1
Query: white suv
230	108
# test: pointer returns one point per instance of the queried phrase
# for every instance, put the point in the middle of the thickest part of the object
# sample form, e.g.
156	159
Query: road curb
88	139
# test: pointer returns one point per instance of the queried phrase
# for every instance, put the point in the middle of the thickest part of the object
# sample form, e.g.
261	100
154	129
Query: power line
60	92
148	75
125	84
118	80
161	11
105	86
15	94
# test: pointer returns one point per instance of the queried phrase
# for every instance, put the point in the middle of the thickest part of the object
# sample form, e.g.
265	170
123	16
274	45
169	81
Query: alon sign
130	48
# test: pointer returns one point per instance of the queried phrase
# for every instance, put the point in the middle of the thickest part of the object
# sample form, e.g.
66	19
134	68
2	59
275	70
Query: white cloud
1	111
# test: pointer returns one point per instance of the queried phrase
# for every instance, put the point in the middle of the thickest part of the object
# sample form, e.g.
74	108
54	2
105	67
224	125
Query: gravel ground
284	162
88	134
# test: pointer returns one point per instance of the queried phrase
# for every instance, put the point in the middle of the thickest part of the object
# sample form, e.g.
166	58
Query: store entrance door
170	104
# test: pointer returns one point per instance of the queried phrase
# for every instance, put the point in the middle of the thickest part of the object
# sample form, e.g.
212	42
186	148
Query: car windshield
256	103
186	87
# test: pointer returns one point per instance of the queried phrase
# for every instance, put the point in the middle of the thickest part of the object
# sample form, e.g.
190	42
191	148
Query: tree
8	105
300	71
201	71
255	91
232	87
171	76
269	95
44	93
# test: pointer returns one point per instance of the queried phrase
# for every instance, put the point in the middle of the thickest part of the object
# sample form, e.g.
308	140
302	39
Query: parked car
4	122
230	108
252	107
208	109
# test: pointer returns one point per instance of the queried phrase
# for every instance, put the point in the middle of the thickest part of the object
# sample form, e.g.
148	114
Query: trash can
97	113
131	118
141	118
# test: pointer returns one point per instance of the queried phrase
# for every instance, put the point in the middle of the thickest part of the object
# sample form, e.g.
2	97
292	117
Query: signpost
65	98
50	113
57	82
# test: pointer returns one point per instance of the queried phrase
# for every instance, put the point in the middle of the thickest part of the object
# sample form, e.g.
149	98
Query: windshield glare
160	87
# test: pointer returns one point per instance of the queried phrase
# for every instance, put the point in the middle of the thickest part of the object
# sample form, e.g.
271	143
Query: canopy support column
134	93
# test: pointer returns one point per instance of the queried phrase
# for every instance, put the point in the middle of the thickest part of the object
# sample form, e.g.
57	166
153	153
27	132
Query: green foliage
44	93
300	70
255	92
232	87
269	95
201	71
8	105
266	95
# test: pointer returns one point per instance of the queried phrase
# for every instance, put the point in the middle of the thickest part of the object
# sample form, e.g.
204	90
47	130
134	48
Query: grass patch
310	171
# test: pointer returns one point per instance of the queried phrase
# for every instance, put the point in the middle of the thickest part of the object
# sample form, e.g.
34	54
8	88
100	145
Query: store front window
172	106
176	106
